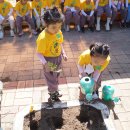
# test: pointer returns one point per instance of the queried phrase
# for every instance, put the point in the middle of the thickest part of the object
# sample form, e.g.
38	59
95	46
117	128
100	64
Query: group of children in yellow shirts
78	10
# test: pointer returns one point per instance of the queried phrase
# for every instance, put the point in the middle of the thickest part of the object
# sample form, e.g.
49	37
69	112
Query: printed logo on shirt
102	1
58	36
4	7
88	7
52	66
98	67
53	2
73	3
24	8
40	4
55	48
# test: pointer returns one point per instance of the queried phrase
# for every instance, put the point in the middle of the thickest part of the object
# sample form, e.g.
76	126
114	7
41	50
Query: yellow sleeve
41	44
93	6
77	3
81	60
33	4
105	64
82	6
29	5
45	3
84	58
66	3
16	7
10	5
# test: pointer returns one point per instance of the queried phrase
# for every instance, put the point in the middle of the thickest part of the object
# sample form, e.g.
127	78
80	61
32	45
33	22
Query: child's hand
82	75
65	57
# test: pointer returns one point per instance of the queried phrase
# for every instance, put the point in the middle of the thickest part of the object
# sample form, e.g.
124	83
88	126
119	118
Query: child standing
50	50
71	10
87	14
103	6
93	62
23	12
6	14
39	7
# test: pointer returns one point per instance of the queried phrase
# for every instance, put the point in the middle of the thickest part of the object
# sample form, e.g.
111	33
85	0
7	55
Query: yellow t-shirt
39	5
22	9
103	2
72	3
54	3
87	7
85	59
5	8
49	45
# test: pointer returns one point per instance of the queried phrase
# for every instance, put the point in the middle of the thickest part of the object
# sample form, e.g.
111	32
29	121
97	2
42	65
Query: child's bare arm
63	53
96	4
96	75
41	57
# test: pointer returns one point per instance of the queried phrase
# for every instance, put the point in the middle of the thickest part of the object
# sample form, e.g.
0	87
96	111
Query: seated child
23	12
6	14
118	6
93	62
38	12
50	50
101	7
87	14
71	10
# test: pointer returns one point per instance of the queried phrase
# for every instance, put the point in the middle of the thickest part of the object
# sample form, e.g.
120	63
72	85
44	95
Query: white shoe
107	27
67	28
108	24
98	24
1	34
12	33
78	28
98	27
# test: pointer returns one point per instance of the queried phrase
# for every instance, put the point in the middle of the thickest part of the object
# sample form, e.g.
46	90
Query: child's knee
99	11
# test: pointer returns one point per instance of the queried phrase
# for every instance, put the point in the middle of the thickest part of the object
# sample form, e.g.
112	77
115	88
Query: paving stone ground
24	83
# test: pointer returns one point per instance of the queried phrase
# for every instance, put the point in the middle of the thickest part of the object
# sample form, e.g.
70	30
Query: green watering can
108	92
87	86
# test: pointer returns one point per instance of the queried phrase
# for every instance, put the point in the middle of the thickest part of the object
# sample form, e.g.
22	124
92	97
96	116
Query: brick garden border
19	119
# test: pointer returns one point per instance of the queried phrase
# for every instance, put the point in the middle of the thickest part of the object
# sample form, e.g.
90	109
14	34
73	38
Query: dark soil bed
74	118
